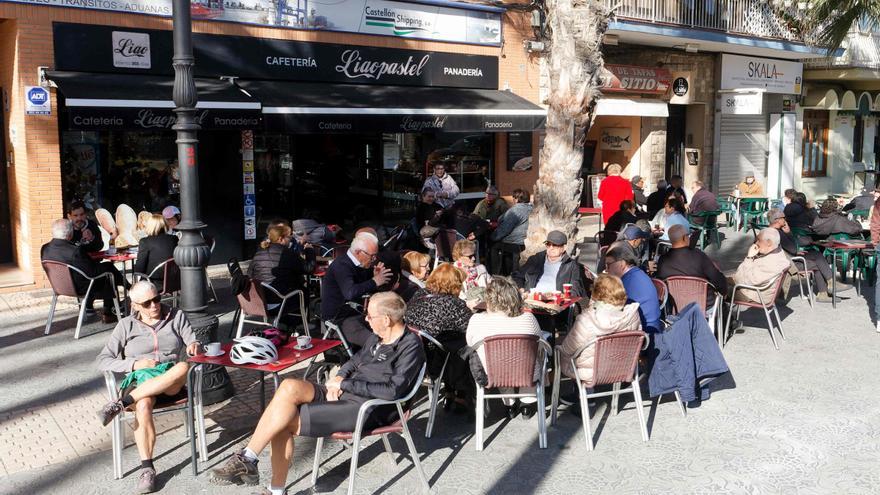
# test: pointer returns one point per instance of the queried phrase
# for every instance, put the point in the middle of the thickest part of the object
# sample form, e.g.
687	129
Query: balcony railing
862	51
748	17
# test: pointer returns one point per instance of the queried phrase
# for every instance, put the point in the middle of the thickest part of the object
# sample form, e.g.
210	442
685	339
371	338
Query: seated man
830	221
492	206
386	368
764	261
864	201
548	271
702	201
86	233
620	262
148	346
682	259
510	236
348	279
815	261
62	249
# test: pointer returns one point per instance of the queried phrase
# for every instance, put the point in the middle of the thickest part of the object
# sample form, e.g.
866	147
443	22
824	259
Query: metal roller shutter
743	150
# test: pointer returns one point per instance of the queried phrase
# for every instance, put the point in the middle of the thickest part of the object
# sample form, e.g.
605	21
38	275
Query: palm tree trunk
574	33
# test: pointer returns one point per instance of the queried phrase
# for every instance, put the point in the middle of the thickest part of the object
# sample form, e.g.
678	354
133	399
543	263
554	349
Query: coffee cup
212	349
566	290
303	341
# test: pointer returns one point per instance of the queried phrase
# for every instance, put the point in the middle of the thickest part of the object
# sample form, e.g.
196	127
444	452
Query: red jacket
875	224
612	190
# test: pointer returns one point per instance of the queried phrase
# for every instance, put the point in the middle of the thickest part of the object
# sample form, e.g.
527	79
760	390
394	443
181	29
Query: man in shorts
385	368
148	346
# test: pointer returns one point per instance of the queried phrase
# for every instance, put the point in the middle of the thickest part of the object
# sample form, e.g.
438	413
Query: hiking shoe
237	470
109	411
147	481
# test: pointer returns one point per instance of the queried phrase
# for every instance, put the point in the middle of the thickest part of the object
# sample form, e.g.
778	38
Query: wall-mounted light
691	47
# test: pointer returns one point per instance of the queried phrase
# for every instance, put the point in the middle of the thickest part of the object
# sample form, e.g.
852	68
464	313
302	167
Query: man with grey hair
683	260
148	347
764	261
492	206
63	250
348	279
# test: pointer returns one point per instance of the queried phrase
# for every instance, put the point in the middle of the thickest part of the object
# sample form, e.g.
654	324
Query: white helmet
253	350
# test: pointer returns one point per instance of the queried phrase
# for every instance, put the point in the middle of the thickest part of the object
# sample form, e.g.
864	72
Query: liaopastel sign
92	48
459	23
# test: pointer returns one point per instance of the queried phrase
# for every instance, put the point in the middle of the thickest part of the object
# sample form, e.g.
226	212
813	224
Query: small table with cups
288	355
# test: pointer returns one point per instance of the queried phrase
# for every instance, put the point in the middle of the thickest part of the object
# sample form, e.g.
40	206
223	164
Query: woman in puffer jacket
608	313
280	266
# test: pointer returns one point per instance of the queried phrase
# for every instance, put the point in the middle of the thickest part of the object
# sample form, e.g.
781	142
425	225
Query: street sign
37	101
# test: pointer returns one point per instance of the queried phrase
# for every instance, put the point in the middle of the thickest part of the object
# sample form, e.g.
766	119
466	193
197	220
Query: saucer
304	348
222	352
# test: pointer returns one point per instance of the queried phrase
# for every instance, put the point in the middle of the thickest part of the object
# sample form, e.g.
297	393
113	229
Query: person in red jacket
612	190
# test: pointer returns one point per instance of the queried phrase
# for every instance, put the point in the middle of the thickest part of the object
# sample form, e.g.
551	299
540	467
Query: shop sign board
249	198
635	79
365	123
742	104
771	75
92	48
131	50
616	138
458	23
682	90
106	118
37	101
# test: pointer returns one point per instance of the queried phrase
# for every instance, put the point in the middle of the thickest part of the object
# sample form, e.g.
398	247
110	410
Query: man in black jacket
548	271
85	232
348	279
685	260
657	199
386	368
62	249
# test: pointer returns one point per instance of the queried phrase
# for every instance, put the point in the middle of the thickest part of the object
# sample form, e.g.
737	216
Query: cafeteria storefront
340	133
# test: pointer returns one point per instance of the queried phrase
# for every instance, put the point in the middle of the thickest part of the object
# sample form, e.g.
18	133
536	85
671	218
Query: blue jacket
684	354
640	289
513	224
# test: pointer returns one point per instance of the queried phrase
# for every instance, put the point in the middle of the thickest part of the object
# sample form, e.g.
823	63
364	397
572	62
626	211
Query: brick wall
26	43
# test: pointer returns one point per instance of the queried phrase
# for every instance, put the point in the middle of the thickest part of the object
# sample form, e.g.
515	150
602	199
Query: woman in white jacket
608	313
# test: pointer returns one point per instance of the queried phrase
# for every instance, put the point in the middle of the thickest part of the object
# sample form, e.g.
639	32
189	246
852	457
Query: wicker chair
662	293
61	280
510	363
685	290
400	427
615	362
775	284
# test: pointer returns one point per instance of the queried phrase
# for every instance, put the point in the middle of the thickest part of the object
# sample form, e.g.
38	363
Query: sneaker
237	470
147	481
109	411
841	287
824	297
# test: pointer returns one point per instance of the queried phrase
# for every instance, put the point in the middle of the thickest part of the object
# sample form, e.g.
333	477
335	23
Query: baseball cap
170	211
632	233
556	237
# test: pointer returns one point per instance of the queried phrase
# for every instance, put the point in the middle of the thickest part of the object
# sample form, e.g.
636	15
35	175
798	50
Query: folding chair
685	290
400	427
616	361
118	424
775	284
510	363
61	280
170	279
433	383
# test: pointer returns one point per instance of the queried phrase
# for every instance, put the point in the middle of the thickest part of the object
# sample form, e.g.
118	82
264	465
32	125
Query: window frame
823	119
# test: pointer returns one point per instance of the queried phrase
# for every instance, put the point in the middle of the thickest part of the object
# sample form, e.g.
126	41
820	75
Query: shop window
815	139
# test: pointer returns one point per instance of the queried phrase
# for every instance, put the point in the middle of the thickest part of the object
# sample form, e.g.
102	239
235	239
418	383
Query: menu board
519	151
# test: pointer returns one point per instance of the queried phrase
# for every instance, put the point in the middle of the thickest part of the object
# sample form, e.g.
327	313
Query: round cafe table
837	245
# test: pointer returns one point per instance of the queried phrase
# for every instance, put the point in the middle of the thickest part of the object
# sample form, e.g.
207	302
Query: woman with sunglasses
148	347
476	276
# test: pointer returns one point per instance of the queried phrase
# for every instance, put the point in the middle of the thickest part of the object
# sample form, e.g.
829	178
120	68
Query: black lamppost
192	253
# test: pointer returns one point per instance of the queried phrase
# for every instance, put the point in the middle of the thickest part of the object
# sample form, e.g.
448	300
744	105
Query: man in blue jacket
620	261
386	368
510	237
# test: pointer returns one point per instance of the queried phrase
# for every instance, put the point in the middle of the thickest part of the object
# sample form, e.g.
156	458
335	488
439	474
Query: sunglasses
150	302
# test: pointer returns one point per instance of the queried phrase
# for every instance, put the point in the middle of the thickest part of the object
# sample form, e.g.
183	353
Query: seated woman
276	264
155	248
504	315
607	313
427	209
624	216
674	214
416	267
439	311
476	276
385	368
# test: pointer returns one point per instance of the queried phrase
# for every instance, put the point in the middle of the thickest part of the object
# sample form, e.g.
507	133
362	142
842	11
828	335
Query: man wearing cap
634	239
491	207
171	214
548	271
815	261
685	260
638	186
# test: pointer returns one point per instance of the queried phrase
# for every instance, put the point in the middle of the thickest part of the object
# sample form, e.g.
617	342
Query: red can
566	290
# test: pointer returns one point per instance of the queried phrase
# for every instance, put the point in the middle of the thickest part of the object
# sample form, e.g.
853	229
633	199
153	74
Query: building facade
331	114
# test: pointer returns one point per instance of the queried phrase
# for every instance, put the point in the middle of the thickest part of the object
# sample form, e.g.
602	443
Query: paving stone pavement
801	420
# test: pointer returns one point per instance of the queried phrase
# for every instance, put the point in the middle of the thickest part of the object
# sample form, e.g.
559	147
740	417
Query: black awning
124	101
310	107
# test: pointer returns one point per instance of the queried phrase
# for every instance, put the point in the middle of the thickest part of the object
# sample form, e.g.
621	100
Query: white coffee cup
303	341
212	349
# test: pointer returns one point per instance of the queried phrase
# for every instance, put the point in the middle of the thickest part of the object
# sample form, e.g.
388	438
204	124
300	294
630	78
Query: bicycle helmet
253	350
